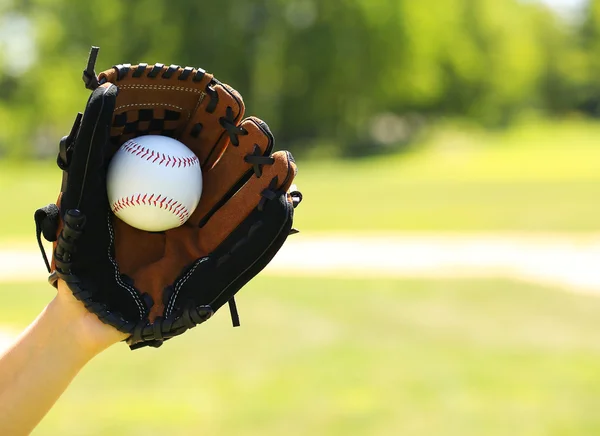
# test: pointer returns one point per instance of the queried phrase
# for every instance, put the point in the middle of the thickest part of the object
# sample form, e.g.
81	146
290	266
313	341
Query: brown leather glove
157	285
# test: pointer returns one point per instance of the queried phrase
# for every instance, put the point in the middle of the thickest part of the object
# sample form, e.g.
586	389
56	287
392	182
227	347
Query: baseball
154	183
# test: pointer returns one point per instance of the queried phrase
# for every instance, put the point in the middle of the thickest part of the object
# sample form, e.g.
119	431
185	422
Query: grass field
541	177
350	357
372	357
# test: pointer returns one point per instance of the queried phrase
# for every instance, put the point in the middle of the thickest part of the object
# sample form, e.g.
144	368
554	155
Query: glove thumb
86	182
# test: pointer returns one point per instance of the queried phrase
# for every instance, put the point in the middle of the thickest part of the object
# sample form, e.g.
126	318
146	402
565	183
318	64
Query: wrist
65	328
82	327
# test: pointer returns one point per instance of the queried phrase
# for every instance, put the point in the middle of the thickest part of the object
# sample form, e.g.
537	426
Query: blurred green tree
346	76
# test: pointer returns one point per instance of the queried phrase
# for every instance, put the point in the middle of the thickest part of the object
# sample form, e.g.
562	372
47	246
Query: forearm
45	358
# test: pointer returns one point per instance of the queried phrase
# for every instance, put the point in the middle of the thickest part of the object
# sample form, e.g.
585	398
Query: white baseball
154	183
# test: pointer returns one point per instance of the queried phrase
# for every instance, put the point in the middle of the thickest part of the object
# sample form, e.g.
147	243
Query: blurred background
446	275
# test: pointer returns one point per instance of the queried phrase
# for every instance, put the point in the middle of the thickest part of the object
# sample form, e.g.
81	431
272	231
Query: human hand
43	360
92	334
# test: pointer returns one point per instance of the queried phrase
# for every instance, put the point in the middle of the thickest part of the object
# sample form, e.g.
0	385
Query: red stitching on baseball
162	202
164	159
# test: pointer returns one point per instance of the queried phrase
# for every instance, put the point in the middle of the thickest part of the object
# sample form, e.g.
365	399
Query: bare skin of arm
45	358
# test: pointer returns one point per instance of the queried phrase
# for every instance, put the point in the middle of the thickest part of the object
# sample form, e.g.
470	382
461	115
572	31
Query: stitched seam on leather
180	284
120	282
198	103
160	201
162	159
148	104
162	88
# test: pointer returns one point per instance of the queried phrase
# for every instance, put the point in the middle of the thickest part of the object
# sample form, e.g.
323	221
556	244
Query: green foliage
361	357
318	72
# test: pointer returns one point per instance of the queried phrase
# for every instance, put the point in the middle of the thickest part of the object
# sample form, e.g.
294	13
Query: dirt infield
571	262
565	260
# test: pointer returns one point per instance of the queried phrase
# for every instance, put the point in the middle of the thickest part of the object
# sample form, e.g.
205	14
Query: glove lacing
228	123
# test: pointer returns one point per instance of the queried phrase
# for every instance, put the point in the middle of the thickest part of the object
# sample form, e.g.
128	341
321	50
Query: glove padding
157	285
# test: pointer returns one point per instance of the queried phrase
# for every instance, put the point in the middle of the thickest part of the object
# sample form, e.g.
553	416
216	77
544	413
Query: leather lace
232	129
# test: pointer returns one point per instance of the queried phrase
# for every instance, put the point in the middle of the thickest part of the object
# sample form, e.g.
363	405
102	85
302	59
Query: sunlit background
446	277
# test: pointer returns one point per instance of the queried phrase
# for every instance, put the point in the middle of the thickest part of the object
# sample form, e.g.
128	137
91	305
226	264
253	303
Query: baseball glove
156	285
